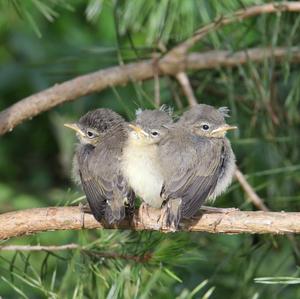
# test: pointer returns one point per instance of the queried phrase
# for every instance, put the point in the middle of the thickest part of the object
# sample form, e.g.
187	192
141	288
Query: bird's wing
105	187
194	182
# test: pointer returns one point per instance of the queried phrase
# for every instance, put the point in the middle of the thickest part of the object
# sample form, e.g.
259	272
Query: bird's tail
115	211
173	213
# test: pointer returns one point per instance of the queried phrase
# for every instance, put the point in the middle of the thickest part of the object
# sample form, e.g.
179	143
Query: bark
38	220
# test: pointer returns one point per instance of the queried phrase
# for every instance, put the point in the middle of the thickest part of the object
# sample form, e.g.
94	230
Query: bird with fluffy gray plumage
97	164
197	161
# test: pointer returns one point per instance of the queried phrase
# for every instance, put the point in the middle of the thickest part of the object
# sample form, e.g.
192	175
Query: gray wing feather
103	184
195	177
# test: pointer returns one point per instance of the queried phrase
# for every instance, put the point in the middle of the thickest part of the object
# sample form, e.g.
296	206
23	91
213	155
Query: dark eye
154	133
205	127
90	134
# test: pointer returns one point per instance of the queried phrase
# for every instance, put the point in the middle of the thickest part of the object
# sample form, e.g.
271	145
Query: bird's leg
208	209
85	208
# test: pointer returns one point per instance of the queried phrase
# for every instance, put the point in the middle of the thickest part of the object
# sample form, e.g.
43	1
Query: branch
183	80
119	75
33	221
238	16
252	195
92	253
71	246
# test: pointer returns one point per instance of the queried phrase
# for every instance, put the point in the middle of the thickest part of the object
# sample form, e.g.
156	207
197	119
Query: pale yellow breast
142	171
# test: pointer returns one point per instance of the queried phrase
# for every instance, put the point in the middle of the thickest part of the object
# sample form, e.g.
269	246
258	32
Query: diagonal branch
33	221
252	195
118	75
238	16
184	81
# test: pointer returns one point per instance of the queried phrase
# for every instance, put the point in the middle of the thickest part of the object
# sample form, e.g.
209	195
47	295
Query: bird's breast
141	168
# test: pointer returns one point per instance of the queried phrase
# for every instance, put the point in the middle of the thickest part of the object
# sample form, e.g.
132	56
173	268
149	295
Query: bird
140	160
197	161
102	134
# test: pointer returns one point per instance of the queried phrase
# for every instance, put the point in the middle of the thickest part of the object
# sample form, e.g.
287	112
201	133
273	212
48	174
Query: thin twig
92	253
252	195
184	82
156	91
136	258
238	16
71	246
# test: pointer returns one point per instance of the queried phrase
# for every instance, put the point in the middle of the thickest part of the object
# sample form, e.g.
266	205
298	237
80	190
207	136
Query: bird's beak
74	127
222	130
138	130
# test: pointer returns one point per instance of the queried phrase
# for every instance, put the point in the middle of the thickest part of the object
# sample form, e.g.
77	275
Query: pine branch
238	16
71	246
33	221
92	253
118	75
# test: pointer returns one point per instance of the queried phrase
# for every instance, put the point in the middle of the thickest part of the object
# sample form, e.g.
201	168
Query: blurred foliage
45	42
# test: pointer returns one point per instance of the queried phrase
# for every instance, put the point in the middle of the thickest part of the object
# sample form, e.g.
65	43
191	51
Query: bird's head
207	121
96	124
150	126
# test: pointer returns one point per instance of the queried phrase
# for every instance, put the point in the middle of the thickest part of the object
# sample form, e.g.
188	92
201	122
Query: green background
48	42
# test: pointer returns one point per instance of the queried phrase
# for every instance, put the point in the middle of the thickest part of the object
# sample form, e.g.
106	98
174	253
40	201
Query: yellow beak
74	127
223	129
138	130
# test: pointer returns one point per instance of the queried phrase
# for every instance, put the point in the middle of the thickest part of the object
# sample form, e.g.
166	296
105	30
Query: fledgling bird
97	164
140	161
197	161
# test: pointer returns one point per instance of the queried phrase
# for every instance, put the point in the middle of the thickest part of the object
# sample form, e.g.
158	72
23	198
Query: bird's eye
90	134
154	133
205	127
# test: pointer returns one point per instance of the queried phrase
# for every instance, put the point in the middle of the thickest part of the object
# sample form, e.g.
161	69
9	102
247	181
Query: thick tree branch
32	221
118	75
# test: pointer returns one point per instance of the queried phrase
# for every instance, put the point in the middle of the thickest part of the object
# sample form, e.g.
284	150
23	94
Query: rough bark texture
32	221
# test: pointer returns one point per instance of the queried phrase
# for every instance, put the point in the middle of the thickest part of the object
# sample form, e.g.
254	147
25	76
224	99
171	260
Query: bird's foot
207	209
